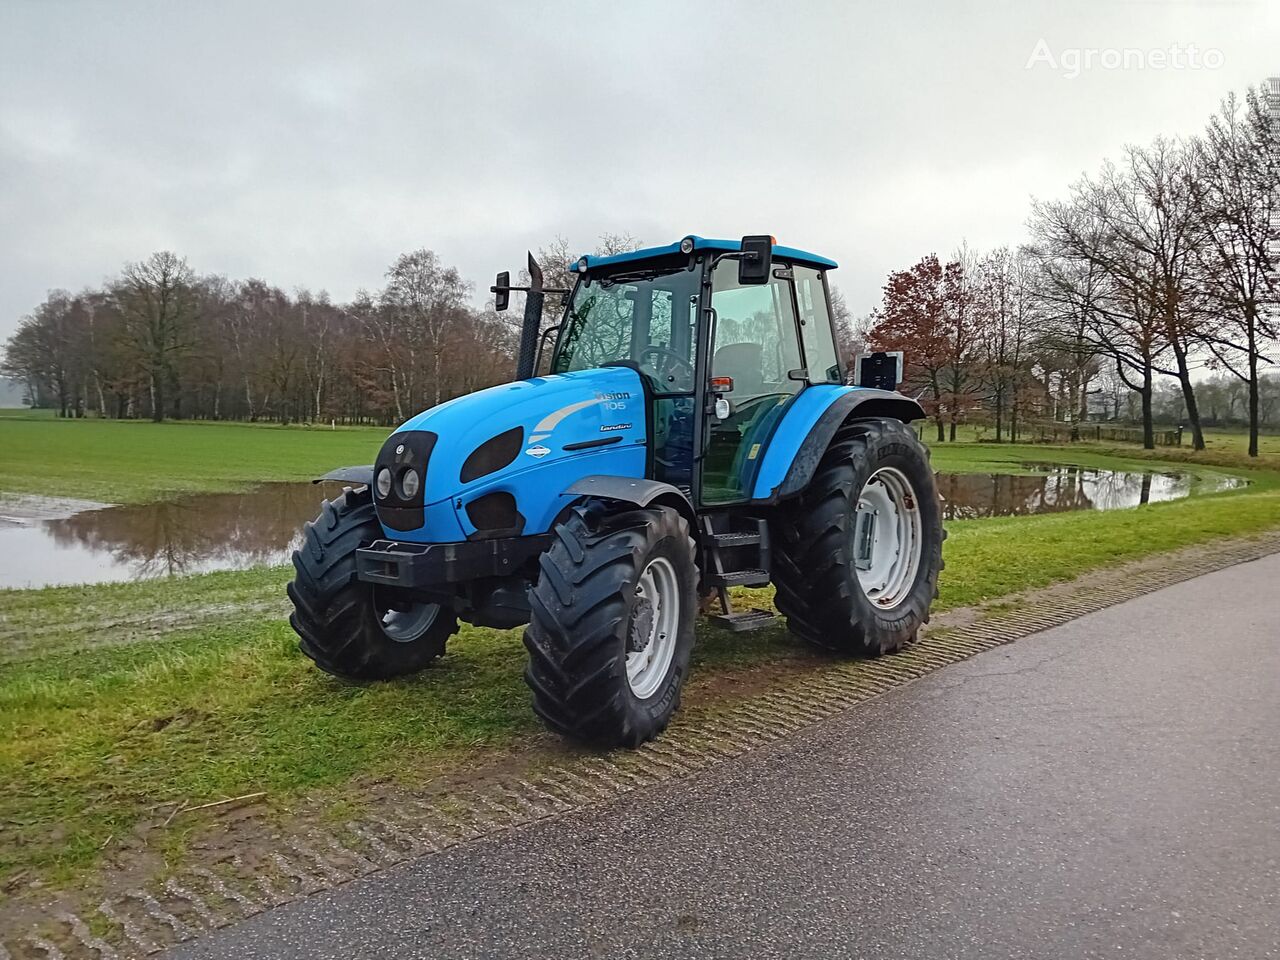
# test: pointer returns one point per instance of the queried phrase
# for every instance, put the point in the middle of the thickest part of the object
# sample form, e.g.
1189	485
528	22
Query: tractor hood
496	462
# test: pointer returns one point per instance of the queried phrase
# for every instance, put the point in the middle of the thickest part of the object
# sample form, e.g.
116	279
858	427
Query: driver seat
744	363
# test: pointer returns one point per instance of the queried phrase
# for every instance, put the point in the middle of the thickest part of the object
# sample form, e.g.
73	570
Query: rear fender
812	419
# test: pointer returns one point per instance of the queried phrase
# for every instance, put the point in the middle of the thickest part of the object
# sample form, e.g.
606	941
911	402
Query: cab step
744	620
736	539
738	578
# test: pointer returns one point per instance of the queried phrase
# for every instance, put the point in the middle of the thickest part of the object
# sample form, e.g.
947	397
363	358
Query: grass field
118	699
128	461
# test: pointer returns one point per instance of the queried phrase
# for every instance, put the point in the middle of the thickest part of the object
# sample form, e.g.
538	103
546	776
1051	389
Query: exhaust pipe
532	322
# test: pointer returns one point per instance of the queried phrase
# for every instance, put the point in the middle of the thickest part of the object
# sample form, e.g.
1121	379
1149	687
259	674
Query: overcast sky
310	143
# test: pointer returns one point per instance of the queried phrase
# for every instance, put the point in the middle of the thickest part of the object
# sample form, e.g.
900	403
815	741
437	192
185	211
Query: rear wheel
611	630
353	629
859	552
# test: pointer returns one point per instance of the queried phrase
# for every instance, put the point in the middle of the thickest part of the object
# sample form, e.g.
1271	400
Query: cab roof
701	243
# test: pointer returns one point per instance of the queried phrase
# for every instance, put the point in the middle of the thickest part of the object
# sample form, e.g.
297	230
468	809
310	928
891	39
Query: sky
309	144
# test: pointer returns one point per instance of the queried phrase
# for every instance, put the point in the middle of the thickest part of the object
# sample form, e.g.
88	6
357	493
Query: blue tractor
693	432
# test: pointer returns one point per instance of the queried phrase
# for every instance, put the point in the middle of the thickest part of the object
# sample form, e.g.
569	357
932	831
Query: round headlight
384	483
409	483
686	245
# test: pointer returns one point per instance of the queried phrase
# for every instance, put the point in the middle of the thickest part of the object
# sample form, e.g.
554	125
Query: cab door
756	369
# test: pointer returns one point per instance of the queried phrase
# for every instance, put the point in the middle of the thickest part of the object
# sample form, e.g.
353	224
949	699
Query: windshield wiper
634	276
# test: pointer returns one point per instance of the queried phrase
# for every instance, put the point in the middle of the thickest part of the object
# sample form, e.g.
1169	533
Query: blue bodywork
589	423
702	243
798	419
554	412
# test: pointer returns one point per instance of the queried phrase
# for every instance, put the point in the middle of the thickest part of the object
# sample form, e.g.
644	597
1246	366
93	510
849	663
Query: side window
755	335
815	327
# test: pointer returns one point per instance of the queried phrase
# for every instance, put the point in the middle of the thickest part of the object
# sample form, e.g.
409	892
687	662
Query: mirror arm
527	289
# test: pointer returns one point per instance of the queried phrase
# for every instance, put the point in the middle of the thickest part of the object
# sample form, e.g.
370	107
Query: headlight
384	483
409	484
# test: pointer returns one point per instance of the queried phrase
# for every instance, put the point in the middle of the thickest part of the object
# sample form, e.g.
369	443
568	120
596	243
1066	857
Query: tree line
159	341
1162	263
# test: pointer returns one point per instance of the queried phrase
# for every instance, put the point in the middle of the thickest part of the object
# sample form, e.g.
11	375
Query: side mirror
756	260
883	371
501	291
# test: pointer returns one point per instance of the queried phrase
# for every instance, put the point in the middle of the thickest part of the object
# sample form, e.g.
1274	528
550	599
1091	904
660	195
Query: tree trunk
1251	325
102	400
937	407
1253	400
1189	398
157	397
1148	426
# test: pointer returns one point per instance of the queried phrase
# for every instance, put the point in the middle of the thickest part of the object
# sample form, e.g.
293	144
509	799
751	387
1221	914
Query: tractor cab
725	335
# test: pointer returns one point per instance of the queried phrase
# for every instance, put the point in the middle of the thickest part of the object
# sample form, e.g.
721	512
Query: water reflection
1057	488
193	534
222	531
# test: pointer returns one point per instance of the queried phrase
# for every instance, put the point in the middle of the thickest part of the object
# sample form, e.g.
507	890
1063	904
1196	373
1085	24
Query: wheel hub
640	632
403	621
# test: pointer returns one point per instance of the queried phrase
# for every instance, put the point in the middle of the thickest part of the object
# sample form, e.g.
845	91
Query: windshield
645	318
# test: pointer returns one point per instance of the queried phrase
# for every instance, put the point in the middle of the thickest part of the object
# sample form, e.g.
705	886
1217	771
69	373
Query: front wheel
612	623
859	552
350	628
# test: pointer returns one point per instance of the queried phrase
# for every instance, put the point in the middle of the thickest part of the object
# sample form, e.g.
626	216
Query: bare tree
420	302
1238	193
157	307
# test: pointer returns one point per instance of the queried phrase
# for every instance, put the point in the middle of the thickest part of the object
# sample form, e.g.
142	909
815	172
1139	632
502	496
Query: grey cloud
309	143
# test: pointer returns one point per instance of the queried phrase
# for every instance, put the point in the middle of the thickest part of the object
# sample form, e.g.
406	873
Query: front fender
638	491
807	427
362	475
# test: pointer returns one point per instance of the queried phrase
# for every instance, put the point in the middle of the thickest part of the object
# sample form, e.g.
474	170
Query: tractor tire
612	625
342	624
819	569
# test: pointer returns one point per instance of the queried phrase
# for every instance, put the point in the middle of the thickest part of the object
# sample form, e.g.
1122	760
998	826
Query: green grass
125	461
90	741
118	699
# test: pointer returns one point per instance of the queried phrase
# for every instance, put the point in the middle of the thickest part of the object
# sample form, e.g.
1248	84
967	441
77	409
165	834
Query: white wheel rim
652	628
408	624
887	538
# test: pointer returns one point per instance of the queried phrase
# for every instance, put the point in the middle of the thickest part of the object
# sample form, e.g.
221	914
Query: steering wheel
670	369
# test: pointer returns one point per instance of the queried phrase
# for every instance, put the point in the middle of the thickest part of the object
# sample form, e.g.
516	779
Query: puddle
45	542
1058	488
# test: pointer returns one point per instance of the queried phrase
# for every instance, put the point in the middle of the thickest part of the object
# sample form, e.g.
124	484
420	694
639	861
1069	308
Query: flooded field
47	542
43	542
1057	488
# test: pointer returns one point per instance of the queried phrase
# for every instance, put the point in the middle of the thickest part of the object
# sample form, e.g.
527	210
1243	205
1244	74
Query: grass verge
117	700
93	740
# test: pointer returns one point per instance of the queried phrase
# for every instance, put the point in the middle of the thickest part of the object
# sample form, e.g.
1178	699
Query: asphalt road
1109	788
